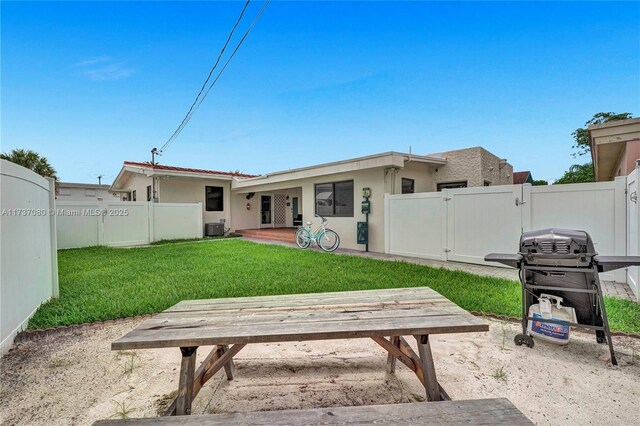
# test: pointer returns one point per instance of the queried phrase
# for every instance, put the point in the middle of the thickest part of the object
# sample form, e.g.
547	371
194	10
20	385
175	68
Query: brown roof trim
186	170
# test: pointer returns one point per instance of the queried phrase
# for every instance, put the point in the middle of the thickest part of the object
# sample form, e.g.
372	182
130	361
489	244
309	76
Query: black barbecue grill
564	263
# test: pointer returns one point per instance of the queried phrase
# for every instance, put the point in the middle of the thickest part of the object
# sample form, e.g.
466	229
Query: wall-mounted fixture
248	206
250	195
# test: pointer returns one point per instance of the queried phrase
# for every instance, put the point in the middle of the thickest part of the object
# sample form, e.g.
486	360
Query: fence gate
416	225
483	220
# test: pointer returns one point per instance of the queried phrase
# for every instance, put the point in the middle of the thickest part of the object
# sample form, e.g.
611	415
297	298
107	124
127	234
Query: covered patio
286	235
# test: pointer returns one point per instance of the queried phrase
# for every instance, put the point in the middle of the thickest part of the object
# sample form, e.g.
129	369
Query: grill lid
557	247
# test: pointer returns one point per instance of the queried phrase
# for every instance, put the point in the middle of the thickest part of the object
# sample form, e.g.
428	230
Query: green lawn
103	283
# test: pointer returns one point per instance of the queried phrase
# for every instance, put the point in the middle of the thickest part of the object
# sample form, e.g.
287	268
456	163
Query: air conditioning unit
213	229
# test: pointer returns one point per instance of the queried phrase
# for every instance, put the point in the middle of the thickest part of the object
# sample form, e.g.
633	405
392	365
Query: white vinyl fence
633	226
125	223
28	253
466	224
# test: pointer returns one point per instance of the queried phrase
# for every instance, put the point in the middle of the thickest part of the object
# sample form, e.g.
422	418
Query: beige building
167	184
472	167
334	190
69	191
615	148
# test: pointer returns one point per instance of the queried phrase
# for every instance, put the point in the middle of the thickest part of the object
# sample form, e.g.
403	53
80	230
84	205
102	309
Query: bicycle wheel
329	240
303	239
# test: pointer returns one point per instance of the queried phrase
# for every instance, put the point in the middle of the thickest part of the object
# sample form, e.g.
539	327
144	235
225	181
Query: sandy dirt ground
74	378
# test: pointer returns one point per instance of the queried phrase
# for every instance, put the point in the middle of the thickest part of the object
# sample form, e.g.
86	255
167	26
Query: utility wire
253	24
188	114
198	101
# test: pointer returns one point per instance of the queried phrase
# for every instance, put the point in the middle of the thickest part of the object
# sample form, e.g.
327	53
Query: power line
198	101
185	119
253	24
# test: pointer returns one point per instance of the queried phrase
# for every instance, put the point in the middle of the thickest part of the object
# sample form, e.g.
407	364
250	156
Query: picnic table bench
497	411
230	324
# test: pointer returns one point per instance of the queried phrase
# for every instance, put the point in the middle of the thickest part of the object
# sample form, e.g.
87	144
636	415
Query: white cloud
104	68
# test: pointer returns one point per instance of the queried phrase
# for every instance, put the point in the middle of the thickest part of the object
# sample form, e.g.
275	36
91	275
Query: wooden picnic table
230	324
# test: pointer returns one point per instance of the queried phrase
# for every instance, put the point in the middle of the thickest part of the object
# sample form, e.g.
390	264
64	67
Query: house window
334	199
89	192
408	186
133	196
214	198
452	185
149	193
64	191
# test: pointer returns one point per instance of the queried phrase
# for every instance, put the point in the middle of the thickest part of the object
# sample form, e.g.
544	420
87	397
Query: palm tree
32	161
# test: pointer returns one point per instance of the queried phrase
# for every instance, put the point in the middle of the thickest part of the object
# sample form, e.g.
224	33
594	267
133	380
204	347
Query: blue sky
91	84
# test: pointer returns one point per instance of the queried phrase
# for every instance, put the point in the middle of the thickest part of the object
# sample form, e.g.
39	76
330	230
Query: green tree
578	173
32	161
581	135
539	182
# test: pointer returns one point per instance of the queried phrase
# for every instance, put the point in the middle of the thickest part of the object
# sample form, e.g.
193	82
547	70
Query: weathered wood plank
498	411
363	296
395	351
296	318
216	359
229	367
428	369
185	386
334	305
302	317
391	358
194	335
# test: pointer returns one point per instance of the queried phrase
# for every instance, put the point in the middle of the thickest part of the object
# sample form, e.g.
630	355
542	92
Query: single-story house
70	191
334	190
615	148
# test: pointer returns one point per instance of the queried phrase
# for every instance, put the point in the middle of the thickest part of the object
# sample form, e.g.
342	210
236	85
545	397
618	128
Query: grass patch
193	240
101	283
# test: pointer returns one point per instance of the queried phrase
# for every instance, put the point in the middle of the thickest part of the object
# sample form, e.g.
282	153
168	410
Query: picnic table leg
431	384
229	367
391	360
185	386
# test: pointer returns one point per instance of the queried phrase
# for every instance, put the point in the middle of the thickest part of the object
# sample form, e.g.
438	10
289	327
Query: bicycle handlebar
324	220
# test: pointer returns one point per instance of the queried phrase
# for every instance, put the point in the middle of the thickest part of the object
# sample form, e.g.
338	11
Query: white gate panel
483	220
77	224
176	221
585	206
633	230
126	223
416	225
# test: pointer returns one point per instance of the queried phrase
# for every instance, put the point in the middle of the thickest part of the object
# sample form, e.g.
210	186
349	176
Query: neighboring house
137	182
615	148
522	177
68	191
472	167
292	197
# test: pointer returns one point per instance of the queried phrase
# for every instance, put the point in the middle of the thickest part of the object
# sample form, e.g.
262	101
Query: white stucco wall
192	190
421	173
249	218
139	183
344	226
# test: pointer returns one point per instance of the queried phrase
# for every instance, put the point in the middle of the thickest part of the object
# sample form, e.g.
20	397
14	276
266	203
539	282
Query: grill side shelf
610	263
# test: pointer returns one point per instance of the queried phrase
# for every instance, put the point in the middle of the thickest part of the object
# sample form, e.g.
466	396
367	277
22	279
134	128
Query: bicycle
327	239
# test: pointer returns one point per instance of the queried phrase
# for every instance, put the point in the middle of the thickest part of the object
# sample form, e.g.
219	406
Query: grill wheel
523	339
